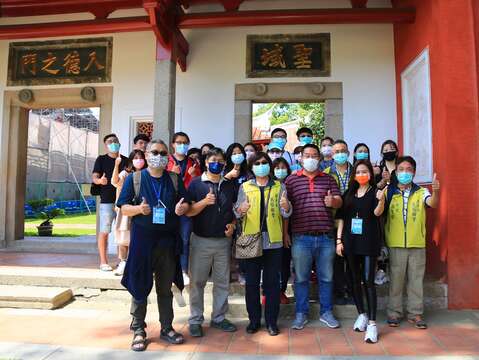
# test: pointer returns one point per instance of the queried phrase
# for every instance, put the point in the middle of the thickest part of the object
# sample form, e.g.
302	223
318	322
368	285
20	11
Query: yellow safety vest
274	219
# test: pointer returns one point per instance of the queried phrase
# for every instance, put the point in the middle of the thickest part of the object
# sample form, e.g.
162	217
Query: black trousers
270	263
341	280
164	268
285	268
362	270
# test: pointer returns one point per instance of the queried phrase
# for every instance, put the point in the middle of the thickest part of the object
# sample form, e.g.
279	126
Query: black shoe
224	325
252	328
171	336
196	330
273	330
340	300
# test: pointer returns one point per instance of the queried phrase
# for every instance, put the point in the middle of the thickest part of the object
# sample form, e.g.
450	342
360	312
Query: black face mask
389	155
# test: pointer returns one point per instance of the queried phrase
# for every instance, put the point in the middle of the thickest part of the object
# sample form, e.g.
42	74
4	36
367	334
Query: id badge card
357	226
159	215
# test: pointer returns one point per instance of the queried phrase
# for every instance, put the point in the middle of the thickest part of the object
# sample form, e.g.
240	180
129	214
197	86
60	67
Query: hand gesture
118	161
286	240
192	170
210	198
103	180
329	199
176	169
230	228
234	173
244	207
284	203
145	208
376	169
181	208
435	183
380	194
386	175
340	249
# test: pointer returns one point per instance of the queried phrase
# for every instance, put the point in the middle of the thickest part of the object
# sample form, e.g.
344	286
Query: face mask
249	154
340	158
280	142
405	178
305	140
215	167
114	147
280	173
182	149
297	157
310	164
261	170
362	179
138	163
361	156
326	150
237	158
273	156
157	161
389	155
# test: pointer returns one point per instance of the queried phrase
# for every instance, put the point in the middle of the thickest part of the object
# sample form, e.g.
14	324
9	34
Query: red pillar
450	30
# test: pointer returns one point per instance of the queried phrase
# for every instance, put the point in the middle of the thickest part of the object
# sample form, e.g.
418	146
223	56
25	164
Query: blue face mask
280	173
114	147
261	170
305	140
362	156
237	159
182	148
404	178
280	142
215	167
340	158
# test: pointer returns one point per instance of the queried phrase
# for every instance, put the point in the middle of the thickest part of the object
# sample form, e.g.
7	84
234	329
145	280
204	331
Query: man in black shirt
102	173
210	245
140	142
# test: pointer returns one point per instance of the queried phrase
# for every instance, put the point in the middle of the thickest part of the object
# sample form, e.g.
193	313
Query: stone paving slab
36	297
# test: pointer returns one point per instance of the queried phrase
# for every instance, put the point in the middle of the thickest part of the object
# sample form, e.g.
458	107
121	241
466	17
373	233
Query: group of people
187	216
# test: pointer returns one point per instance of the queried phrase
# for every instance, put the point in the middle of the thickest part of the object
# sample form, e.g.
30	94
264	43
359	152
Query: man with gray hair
154	198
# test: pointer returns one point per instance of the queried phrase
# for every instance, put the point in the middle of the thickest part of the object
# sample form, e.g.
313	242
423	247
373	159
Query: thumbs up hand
386	175
435	183
118	160
234	173
176	169
144	207
210	198
103	180
380	194
328	199
192	169
284	203
181	207
230	228
244	207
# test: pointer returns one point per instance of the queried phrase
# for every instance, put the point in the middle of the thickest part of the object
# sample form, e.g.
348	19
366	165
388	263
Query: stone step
56	245
34	297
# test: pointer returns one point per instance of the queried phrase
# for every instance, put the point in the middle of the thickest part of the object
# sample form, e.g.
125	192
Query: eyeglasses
279	136
181	143
261	163
156	153
112	141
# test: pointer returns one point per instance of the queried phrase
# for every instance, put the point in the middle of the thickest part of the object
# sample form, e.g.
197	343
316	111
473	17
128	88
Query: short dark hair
139	137
178	134
283	161
304	129
258	156
278	130
326	138
340	141
210	145
298	150
313	146
193	151
216	151
255	147
109	136
408	159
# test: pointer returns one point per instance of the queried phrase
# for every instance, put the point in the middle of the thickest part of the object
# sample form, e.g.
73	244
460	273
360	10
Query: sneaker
380	277
283	299
105	267
361	323
241	279
371	334
300	321
196	330
329	319
186	279
225	325
120	268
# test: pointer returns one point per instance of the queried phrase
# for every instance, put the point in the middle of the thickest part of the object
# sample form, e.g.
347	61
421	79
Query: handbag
249	246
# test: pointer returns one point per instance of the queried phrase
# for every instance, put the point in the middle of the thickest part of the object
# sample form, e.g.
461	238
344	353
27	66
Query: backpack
137	183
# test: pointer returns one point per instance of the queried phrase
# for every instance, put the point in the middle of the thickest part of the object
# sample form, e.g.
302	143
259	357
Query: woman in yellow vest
262	204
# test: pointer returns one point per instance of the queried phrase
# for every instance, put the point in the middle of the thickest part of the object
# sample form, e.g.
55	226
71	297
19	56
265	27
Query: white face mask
157	161
310	164
327	150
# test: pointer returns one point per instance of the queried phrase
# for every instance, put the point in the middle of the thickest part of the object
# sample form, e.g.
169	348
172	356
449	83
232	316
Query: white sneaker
120	268
105	267
371	334
186	279
379	279
361	323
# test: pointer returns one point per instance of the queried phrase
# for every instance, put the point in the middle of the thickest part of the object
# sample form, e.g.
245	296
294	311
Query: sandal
393	321
418	322
139	342
171	336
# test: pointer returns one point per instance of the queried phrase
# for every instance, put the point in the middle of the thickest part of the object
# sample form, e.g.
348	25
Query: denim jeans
186	226
305	249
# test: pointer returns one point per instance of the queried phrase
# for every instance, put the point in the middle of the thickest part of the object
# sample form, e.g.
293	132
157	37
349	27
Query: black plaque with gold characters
60	62
298	55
